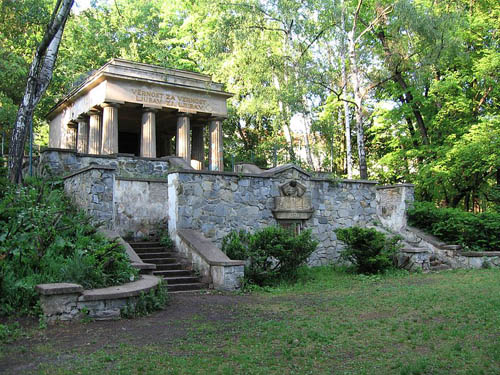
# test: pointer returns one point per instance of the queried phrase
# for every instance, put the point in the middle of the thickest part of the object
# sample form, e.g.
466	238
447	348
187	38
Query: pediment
287	171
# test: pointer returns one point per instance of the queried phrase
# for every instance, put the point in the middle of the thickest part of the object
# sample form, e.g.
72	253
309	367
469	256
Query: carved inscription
169	100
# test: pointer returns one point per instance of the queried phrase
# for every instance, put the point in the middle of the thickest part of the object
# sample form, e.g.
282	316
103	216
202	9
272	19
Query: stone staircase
178	278
414	252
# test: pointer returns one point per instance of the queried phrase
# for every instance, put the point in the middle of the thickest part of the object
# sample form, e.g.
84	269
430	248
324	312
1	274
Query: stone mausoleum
142	110
130	145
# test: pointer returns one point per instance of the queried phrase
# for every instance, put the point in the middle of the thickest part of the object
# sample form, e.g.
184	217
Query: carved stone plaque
292	204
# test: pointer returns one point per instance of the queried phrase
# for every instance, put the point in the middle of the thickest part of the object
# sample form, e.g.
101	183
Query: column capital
93	112
111	104
82	117
150	109
184	114
72	124
216	118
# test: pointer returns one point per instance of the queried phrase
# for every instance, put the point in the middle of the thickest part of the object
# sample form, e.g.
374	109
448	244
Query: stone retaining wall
216	203
136	206
140	205
92	189
61	162
63	301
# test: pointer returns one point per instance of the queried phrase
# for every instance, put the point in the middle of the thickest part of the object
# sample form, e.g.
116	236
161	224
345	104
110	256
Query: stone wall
64	301
216	203
126	205
61	162
92	189
140	205
393	202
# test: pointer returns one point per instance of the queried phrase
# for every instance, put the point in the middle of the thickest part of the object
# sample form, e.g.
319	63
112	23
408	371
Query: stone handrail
213	265
135	260
64	301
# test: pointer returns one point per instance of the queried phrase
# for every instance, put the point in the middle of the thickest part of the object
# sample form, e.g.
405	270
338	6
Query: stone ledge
480	254
134	258
433	240
142	179
132	289
58	288
414	250
89	168
206	249
143	266
393	186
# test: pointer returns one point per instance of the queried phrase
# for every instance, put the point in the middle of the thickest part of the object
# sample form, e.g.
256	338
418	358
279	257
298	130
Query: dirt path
57	342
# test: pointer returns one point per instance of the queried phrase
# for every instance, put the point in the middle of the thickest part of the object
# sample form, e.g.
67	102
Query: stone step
441	267
177	278
173	273
142	244
162	260
169	266
152	249
186	287
182	280
147	256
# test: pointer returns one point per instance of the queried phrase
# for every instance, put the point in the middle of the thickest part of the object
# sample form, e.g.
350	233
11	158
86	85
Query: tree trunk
408	97
39	78
358	99
307	128
416	111
347	116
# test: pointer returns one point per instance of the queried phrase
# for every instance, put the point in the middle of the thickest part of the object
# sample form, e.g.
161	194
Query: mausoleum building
129	143
143	110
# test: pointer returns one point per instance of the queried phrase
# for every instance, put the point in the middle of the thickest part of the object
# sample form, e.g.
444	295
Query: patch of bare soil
163	327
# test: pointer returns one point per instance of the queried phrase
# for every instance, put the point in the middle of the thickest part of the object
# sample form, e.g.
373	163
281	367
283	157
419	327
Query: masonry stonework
217	203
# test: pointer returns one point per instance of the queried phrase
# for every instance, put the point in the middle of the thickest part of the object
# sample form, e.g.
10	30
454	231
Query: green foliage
367	249
477	232
272	253
10	332
44	239
146	303
166	241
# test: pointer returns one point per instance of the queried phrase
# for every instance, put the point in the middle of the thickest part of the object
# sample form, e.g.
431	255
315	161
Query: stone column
182	139
82	139
148	133
94	132
109	129
198	148
216	163
71	137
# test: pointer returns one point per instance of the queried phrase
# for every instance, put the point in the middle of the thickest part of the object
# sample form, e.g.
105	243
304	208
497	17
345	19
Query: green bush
146	303
44	239
369	251
166	241
476	232
272	253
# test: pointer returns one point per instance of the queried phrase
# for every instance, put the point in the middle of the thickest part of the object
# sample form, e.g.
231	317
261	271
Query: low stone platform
64	301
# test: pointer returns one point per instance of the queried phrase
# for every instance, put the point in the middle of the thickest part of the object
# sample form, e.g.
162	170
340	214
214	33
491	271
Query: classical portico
145	110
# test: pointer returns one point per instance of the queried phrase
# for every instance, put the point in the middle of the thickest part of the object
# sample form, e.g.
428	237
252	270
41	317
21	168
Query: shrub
44	239
477	232
369	251
166	241
146	303
272	253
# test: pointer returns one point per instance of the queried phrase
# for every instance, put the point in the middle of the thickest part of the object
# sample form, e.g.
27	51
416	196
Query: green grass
331	322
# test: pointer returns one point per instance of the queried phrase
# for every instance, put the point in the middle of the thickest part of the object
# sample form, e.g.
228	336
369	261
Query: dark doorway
128	143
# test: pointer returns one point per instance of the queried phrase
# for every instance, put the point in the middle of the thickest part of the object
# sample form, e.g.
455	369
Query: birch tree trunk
347	115
358	99
39	78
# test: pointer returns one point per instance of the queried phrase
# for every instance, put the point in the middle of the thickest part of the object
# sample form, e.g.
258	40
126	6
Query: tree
39	77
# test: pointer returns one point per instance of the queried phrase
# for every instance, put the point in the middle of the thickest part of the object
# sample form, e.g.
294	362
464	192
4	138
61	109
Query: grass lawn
329	323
